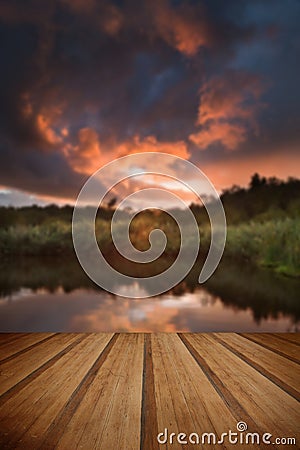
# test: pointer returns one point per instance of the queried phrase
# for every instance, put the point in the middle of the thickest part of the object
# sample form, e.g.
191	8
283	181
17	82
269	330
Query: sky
84	82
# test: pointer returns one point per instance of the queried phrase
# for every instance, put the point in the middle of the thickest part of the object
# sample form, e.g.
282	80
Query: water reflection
52	295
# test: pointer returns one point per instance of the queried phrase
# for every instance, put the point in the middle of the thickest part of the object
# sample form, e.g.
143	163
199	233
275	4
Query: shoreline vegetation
263	227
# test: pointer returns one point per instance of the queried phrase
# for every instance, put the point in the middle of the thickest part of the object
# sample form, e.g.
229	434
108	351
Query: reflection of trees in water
243	287
264	292
48	273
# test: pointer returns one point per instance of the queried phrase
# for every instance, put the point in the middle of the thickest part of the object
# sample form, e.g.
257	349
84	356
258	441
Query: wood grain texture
17	347
149	427
293	337
287	349
118	391
282	371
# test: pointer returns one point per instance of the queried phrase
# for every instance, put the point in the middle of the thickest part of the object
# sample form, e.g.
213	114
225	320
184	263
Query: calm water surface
57	296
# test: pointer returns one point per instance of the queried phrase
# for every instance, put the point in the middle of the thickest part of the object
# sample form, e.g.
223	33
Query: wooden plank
227	396
122	429
109	414
12	372
24	422
57	428
272	409
6	338
19	346
149	428
292	337
185	399
282	347
280	370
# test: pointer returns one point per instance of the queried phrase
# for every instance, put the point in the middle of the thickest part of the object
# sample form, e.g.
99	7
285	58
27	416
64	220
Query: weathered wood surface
118	391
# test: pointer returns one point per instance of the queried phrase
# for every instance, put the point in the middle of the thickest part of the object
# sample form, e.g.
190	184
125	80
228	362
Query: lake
51	295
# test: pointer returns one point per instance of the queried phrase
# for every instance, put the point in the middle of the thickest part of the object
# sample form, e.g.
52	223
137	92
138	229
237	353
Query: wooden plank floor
118	391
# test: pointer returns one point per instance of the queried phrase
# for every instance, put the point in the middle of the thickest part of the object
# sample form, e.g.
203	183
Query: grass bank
273	243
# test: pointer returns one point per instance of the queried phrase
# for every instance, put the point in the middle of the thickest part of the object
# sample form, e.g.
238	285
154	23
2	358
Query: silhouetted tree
256	181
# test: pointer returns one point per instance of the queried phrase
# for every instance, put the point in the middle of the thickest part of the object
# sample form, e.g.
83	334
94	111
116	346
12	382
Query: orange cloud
180	28
89	154
151	144
45	120
227	110
86	156
165	184
64	132
44	126
229	97
230	135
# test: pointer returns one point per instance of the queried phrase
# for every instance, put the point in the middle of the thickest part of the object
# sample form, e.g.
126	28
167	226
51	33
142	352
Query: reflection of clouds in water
21	294
200	298
24	293
131	290
157	314
126	315
89	311
137	315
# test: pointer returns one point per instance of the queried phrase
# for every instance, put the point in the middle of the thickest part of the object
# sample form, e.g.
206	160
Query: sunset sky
85	81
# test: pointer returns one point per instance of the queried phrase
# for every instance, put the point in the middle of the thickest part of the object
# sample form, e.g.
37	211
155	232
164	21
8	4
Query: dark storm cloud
81	78
34	171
